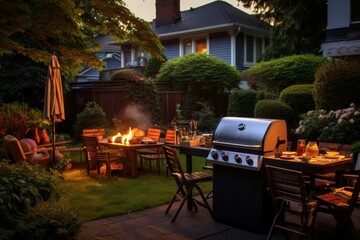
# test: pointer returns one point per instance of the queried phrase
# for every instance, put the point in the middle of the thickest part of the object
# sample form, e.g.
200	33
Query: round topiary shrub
299	97
127	75
204	78
242	103
275	109
337	85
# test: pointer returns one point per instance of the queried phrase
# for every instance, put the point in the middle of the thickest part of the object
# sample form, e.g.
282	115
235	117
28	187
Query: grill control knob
238	158
249	160
225	156
214	154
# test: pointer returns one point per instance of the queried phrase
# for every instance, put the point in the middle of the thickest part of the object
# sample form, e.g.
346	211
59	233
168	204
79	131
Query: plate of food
288	155
304	158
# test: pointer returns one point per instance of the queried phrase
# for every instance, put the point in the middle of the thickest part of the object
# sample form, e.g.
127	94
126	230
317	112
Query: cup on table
300	147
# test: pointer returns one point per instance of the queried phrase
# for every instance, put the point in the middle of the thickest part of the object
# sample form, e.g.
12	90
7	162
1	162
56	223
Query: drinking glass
300	147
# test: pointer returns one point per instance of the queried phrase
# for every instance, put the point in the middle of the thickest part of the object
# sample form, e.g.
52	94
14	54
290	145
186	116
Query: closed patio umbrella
54	99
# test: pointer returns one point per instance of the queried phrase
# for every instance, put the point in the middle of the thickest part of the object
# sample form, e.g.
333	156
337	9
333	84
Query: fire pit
130	143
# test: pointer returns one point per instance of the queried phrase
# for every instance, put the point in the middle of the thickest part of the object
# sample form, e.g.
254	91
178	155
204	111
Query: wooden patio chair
21	152
151	154
186	182
288	194
341	203
158	155
99	156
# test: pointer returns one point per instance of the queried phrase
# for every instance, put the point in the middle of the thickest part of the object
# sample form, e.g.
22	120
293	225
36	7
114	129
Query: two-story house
217	28
343	29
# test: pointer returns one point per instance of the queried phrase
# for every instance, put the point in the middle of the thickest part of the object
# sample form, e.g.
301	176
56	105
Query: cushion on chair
26	148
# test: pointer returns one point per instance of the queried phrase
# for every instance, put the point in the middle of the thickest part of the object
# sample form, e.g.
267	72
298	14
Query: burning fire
125	139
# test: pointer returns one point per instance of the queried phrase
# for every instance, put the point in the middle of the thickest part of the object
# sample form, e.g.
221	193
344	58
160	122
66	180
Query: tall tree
37	28
298	26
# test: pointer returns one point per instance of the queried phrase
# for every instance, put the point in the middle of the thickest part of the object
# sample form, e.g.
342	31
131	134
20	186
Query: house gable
218	24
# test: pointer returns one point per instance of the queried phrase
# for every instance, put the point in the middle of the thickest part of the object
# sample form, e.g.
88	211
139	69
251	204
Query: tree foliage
298	26
38	28
205	78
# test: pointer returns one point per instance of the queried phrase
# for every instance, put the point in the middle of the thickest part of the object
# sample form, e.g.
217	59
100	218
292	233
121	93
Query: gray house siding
89	76
171	48
220	46
113	63
240	54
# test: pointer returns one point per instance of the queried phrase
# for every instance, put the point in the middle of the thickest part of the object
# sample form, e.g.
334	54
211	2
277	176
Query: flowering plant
340	126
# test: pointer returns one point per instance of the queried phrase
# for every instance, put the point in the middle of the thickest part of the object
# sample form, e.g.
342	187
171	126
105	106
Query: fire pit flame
125	139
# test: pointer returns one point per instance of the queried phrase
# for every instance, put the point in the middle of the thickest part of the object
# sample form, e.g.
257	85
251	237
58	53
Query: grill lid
249	133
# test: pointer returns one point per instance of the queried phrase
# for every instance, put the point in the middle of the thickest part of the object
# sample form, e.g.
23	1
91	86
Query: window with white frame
191	45
254	48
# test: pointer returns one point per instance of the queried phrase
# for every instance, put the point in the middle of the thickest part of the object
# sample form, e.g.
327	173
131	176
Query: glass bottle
300	147
312	149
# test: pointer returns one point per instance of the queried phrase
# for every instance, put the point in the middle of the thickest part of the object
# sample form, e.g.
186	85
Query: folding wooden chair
287	190
95	153
341	203
186	182
152	154
158	155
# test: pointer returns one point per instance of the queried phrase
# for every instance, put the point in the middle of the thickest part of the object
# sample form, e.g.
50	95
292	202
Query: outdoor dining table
131	152
313	167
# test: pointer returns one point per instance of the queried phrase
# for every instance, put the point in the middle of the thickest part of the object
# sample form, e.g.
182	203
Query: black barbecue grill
239	181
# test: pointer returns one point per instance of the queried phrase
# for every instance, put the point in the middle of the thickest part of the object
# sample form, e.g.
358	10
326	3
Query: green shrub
275	109
242	103
48	221
152	67
337	85
204	78
127	75
142	95
277	74
22	187
29	204
16	117
299	97
92	116
206	118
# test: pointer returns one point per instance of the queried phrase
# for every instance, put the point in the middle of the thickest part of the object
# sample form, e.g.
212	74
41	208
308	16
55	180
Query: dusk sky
145	9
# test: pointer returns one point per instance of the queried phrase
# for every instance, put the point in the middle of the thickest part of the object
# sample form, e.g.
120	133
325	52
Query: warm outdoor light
125	139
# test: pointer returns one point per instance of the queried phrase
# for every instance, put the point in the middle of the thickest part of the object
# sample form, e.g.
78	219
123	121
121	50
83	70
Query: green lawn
95	196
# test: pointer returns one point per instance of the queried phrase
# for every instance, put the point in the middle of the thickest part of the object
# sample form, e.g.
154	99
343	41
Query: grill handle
226	144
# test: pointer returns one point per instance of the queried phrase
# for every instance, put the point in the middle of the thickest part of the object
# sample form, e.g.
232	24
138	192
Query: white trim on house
343	48
255	37
218	28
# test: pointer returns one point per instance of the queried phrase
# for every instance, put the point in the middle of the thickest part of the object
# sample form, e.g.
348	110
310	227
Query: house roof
214	15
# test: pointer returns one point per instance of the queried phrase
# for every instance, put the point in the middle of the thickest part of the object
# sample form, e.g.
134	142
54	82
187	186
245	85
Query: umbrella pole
53	141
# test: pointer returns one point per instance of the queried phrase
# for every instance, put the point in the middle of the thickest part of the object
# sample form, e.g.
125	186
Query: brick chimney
167	12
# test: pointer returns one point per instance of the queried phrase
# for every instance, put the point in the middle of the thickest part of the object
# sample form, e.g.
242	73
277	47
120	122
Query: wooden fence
111	97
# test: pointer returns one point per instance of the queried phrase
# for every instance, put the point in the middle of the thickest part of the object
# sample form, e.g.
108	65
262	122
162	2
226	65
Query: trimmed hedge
242	103
277	74
337	84
299	97
275	109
